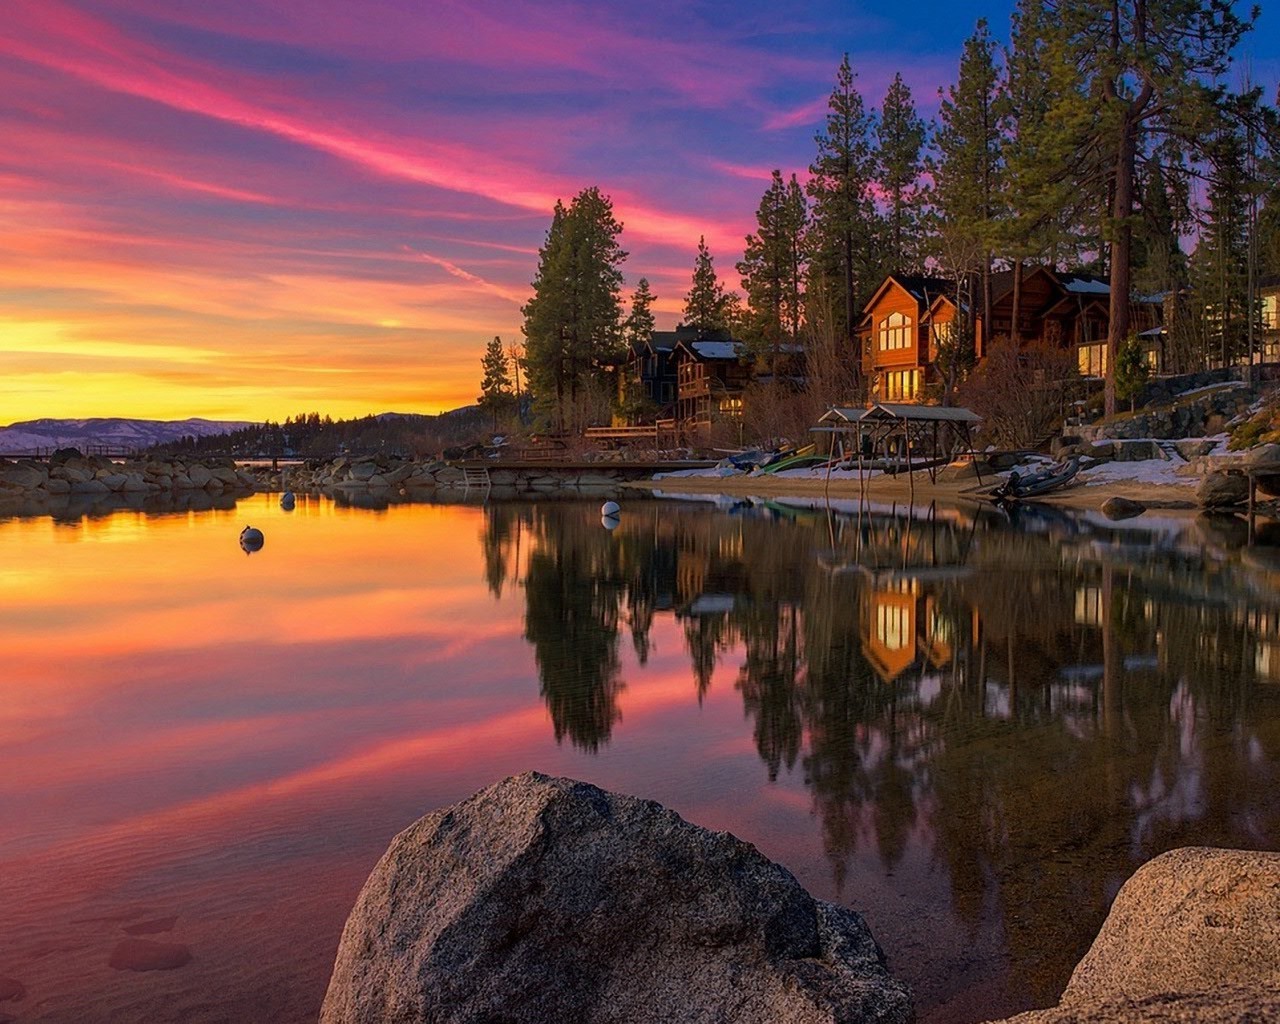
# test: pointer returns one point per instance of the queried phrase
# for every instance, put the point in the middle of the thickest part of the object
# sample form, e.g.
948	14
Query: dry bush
1021	393
775	411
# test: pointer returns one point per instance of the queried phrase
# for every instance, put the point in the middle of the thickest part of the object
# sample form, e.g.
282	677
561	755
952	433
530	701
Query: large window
900	385
1092	360
895	332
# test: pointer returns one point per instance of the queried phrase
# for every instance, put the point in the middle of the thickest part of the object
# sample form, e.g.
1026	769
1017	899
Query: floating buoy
251	539
287	501
610	508
610	522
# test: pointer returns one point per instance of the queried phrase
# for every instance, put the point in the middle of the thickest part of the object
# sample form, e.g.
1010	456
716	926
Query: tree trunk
1015	336
1121	252
986	307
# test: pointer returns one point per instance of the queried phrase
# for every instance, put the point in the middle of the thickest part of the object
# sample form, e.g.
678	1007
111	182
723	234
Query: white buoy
287	501
610	522
610	508
251	539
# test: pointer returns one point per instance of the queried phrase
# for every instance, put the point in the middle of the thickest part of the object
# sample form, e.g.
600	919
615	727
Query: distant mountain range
32	436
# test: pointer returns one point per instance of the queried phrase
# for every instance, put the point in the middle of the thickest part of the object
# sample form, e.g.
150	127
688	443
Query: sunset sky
245	209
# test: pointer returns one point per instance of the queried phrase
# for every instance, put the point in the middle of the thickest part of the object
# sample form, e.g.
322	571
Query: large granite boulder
543	899
1194	935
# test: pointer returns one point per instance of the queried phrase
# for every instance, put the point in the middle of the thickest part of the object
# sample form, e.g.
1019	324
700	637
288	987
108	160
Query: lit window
900	385
895	332
892	628
1089	606
1092	360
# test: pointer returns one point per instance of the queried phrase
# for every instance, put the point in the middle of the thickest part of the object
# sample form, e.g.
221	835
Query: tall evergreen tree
495	386
901	136
843	239
967	169
772	270
1221	256
573	322
640	323
1044	196
1159	264
1143	68
707	307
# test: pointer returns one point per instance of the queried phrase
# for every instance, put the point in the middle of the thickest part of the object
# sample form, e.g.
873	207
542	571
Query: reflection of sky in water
974	759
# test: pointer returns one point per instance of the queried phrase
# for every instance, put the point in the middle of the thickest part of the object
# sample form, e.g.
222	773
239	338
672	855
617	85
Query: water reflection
968	726
1041	701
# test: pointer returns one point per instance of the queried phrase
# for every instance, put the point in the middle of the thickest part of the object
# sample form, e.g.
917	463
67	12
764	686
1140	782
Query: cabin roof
920	288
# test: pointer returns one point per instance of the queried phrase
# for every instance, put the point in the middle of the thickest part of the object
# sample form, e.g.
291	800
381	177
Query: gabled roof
922	289
939	302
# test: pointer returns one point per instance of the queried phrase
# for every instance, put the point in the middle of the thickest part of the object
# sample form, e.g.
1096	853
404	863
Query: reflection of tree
767	682
500	539
572	622
1064	708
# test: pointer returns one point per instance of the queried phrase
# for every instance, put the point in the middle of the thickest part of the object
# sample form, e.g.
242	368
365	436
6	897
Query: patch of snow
1087	287
1148	471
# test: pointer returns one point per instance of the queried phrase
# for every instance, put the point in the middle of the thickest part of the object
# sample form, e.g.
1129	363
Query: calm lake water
967	728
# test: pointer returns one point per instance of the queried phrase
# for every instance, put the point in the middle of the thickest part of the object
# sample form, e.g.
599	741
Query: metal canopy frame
911	425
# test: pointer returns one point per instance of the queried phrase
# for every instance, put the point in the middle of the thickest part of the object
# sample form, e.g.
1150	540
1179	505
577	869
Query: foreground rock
1194	935
544	899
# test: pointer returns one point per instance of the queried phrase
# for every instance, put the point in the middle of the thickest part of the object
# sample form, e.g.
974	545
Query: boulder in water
543	899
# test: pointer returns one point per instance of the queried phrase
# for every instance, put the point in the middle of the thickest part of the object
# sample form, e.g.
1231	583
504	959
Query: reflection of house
909	319
900	626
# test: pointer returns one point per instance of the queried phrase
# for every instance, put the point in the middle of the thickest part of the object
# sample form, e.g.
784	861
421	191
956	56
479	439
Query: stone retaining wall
1191	416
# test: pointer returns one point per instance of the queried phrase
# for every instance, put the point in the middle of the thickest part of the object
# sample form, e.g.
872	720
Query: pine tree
707	307
495	386
639	325
967	169
1142	70
1220	262
1045	196
901	137
772	270
1132	371
1159	264
573	322
843	239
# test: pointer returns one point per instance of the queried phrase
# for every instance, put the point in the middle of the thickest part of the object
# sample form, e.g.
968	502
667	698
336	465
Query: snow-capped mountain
32	436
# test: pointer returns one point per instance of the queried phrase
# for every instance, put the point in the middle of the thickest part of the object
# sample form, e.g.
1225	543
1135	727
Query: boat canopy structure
927	435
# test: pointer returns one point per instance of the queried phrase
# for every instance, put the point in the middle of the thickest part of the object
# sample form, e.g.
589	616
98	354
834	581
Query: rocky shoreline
549	899
69	480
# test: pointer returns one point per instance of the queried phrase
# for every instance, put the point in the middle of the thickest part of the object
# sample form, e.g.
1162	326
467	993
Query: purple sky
252	209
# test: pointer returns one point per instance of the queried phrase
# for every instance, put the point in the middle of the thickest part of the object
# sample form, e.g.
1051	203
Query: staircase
476	476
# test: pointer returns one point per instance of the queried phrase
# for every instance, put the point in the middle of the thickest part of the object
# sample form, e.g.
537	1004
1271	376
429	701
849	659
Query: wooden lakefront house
689	378
693	380
908	316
